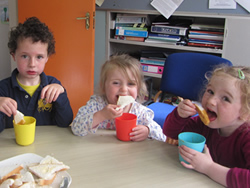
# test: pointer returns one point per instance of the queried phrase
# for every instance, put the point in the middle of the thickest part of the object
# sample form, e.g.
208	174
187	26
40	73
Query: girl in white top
121	75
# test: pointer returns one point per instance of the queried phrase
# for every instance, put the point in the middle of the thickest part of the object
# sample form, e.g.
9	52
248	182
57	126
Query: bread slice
172	141
124	101
50	160
7	183
203	114
8	171
47	169
27	177
42	182
28	185
18	118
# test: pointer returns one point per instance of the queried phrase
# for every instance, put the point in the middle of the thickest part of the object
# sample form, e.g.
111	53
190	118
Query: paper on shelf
99	2
222	4
166	7
245	4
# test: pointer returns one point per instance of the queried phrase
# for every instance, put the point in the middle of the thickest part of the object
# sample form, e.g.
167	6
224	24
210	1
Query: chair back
184	73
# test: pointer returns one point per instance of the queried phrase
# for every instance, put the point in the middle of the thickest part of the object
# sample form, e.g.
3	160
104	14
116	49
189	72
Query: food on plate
203	114
124	101
9	171
47	169
18	118
40	174
7	183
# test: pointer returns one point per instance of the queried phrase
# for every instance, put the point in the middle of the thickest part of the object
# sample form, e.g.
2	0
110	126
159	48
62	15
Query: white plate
29	158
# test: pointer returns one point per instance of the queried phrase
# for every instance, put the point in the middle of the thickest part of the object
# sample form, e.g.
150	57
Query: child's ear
245	117
13	56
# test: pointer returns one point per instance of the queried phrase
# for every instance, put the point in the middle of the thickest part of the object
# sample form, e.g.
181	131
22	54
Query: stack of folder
153	61
131	27
169	31
206	35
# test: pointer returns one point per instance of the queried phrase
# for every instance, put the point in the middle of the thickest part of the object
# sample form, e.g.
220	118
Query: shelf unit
235	42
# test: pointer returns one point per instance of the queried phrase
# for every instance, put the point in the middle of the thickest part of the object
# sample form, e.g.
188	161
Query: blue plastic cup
192	140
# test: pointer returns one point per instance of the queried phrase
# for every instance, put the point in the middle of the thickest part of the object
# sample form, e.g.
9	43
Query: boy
28	89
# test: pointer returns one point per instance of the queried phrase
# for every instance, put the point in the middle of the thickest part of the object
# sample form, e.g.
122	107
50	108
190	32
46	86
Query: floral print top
82	124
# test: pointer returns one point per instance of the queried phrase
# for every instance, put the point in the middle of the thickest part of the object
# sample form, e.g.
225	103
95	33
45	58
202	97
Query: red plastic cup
124	125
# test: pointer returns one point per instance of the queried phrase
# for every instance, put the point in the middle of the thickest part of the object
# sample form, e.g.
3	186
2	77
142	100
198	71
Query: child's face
222	100
30	58
118	84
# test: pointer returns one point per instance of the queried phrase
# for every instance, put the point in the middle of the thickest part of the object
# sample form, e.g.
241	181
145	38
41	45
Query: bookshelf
235	40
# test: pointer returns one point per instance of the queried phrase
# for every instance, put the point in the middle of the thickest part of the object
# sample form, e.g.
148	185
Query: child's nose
212	100
32	62
123	87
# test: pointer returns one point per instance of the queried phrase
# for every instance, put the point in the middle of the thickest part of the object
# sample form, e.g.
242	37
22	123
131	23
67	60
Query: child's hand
111	112
8	106
186	109
108	112
198	161
140	133
51	92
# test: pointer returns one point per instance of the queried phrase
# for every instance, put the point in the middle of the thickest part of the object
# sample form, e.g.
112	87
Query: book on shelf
219	42
216	46
130	24
166	37
132	33
211	37
205	32
131	18
132	28
172	30
206	35
209	27
153	61
140	39
160	41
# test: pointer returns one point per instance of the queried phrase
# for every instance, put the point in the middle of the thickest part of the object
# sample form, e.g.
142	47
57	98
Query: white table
101	160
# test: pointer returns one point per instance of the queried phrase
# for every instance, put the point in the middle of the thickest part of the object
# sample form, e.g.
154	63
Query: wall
99	44
186	6
4	52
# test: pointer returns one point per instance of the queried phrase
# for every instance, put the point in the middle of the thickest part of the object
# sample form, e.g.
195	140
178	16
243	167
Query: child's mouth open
211	115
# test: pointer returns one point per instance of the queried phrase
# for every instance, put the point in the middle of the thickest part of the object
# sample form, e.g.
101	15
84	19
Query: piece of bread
42	182
8	171
47	169
18	118
27	177
50	160
124	101
172	141
203	114
7	183
34	175
28	185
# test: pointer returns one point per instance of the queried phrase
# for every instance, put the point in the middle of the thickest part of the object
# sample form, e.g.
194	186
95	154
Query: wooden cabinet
235	42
